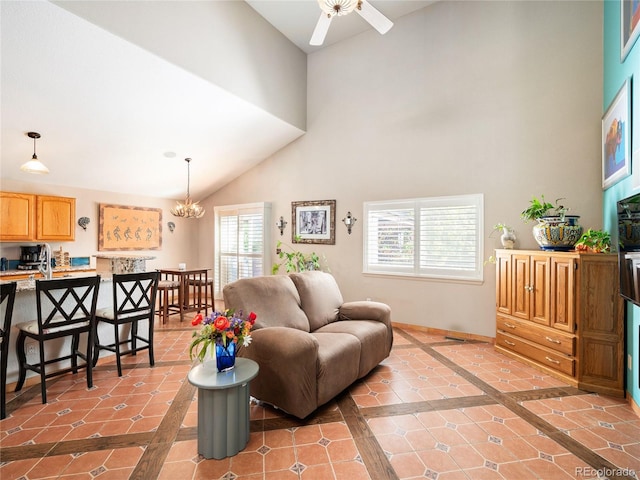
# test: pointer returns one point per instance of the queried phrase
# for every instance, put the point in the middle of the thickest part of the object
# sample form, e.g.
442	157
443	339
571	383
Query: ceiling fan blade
322	27
377	20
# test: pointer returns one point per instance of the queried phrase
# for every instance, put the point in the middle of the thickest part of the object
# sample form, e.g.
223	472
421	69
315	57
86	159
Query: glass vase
225	356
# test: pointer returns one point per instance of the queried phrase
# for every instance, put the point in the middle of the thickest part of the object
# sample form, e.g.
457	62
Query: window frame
237	210
414	269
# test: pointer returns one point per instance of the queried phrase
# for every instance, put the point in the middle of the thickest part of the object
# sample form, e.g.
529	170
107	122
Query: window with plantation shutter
240	245
439	237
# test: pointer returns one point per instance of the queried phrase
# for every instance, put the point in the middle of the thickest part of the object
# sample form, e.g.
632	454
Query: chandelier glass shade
34	165
188	208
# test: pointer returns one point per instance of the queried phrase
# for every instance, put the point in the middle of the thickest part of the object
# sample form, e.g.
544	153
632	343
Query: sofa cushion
320	297
338	360
274	299
371	334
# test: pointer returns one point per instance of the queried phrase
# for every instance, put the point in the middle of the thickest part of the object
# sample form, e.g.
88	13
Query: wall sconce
349	221
281	224
83	222
171	226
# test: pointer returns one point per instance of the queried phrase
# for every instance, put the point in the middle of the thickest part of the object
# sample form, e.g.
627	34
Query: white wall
499	98
224	42
177	247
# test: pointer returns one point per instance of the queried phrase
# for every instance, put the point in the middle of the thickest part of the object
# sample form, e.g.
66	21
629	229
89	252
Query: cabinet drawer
561	342
542	355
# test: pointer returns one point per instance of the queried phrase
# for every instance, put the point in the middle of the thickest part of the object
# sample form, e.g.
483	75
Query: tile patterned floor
437	408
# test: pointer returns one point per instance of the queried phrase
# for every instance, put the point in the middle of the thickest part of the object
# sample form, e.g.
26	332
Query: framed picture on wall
314	222
616	142
123	227
629	26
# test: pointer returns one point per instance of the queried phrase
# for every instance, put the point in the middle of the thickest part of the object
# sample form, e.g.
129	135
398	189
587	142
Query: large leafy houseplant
554	230
539	208
294	261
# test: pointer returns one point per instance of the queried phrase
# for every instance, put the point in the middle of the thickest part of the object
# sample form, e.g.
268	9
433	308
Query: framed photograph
629	26
616	143
314	222
129	228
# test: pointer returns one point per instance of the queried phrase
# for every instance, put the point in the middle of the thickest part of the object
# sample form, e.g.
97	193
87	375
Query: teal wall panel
615	74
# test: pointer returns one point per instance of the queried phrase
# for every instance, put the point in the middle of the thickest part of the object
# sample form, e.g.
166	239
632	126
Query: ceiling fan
333	8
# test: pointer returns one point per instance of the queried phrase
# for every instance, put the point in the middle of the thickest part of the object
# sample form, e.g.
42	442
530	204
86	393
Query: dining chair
7	297
134	301
65	307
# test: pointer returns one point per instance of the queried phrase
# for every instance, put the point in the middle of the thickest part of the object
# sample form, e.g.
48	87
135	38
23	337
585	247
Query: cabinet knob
509	325
553	340
549	359
511	344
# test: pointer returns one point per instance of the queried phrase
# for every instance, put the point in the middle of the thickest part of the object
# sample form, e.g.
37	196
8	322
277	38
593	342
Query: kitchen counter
27	284
27	273
121	263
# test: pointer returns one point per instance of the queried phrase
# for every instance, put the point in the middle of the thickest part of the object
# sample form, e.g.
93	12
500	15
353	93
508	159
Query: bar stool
202	285
134	300
7	297
66	308
164	287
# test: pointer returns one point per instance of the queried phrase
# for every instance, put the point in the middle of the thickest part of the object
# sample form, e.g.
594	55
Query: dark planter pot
557	233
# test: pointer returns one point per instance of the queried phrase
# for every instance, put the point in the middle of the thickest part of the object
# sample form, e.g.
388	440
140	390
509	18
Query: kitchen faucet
45	261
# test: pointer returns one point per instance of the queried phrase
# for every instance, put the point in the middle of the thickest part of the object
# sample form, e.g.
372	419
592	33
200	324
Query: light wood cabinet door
539	289
503	284
521	275
55	218
17	217
563	298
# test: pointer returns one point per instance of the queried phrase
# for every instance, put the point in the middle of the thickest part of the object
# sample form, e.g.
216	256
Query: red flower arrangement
220	328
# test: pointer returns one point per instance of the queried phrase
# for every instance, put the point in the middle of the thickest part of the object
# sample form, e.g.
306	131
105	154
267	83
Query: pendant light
34	165
188	209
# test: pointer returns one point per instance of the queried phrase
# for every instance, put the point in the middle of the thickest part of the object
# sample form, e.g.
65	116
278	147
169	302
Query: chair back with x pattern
134	300
7	298
66	304
134	296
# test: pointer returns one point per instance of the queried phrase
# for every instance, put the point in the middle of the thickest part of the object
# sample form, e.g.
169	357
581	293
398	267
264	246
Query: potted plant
294	260
555	230
508	237
595	241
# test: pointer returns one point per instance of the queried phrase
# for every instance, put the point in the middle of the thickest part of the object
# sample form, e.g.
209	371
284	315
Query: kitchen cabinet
55	218
17	217
28	217
561	312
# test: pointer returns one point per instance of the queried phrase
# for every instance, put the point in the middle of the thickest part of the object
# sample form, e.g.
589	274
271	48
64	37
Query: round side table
223	407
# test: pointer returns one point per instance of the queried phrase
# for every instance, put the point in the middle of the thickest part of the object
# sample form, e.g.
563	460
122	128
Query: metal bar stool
134	300
7	297
66	308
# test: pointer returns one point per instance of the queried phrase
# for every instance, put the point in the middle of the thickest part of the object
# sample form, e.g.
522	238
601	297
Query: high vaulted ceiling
115	117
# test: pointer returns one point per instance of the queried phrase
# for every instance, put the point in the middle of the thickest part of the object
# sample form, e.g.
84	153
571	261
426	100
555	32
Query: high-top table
197	276
223	407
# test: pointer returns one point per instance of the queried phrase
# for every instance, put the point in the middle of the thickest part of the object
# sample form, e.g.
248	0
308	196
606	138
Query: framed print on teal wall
616	144
629	25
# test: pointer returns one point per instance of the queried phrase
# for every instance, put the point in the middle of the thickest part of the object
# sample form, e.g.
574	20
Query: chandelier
188	208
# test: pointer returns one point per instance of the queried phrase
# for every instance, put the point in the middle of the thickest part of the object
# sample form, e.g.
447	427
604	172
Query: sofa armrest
288	368
365	310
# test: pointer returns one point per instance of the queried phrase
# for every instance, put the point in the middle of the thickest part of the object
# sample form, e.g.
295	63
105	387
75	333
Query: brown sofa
310	345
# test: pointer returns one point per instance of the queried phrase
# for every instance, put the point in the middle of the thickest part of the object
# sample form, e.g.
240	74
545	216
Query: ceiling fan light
338	7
